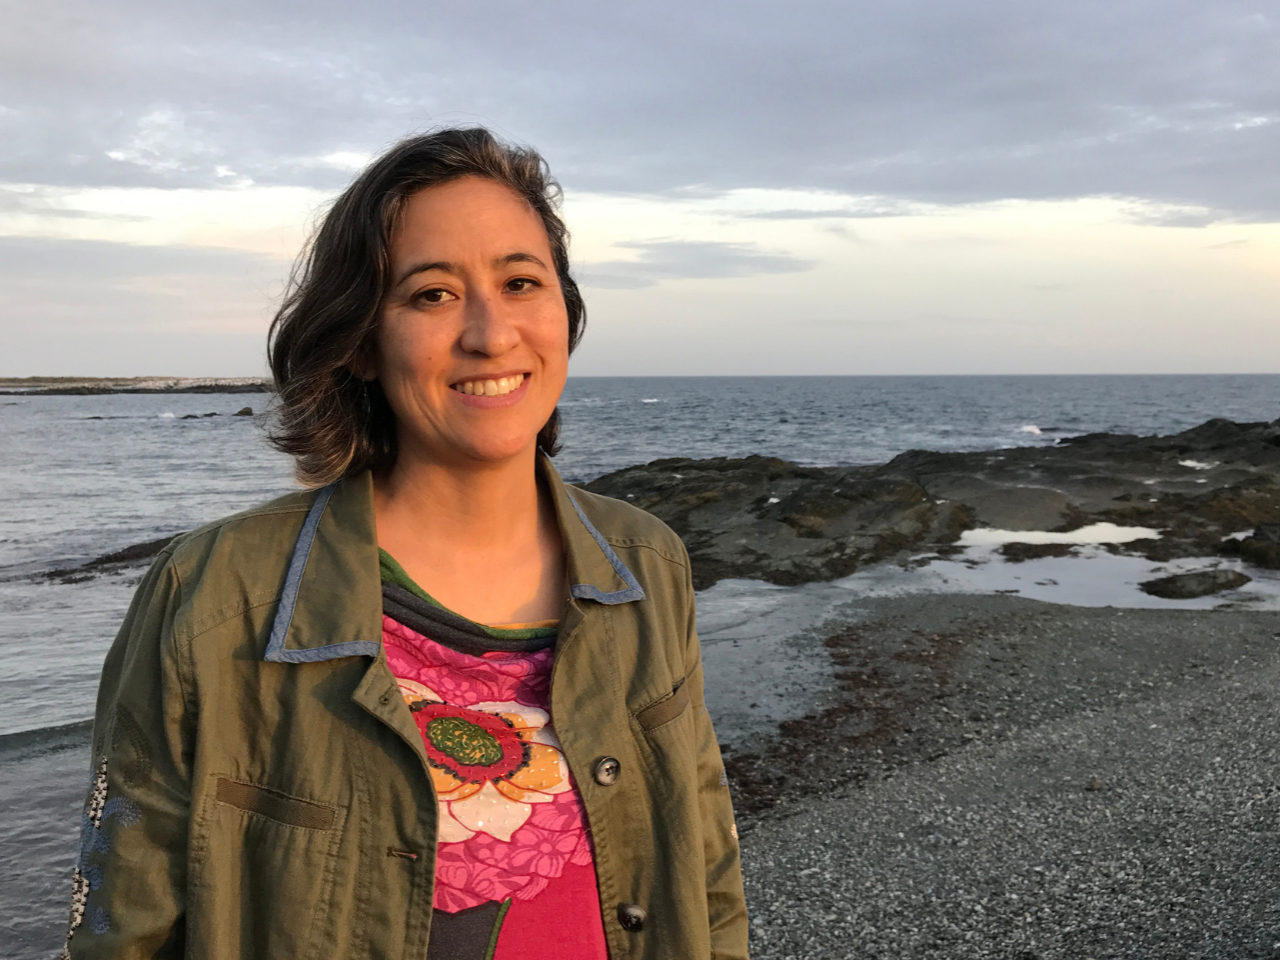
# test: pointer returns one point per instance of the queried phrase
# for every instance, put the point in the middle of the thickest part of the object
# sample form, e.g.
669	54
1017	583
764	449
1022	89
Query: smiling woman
440	704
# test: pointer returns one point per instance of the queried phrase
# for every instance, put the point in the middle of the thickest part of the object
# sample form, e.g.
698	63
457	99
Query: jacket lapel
331	603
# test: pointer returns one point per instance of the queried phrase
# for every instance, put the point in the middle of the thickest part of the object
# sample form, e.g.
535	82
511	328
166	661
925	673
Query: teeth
490	388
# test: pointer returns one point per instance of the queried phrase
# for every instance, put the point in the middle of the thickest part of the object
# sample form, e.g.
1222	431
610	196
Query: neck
487	506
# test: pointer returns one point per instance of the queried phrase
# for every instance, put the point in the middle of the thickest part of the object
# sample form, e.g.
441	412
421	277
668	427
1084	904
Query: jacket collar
332	588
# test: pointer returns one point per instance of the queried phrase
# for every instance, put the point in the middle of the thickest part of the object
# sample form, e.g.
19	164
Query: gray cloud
891	208
99	308
687	260
933	100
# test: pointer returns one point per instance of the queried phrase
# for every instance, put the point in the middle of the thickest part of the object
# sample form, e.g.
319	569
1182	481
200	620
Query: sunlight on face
473	347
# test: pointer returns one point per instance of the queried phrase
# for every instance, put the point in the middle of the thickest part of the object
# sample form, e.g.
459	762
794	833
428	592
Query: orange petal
545	771
449	787
518	723
510	790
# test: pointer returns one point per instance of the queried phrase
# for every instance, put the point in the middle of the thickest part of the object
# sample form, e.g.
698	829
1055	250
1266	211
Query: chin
497	449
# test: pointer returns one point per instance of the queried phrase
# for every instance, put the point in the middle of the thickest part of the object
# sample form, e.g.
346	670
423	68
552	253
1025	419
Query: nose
487	329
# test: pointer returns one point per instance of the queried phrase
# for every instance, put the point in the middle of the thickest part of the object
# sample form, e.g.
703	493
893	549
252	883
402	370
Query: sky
942	187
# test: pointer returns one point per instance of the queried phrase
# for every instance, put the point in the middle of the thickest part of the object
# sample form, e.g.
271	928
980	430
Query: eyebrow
449	267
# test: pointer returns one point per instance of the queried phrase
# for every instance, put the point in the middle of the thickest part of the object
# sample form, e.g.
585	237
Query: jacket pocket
664	710
264	872
276	806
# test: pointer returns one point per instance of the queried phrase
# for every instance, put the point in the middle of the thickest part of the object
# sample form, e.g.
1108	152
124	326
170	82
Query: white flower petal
490	812
451	831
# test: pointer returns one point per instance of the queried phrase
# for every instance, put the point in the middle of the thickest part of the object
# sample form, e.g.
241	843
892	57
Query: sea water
83	476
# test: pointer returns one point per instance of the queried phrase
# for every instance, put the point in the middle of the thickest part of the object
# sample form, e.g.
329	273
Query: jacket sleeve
726	902
130	877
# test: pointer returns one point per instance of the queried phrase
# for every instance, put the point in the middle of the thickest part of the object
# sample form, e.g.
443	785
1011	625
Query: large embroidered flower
490	762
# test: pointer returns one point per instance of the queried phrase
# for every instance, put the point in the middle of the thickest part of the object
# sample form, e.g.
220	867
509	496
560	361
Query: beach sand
934	776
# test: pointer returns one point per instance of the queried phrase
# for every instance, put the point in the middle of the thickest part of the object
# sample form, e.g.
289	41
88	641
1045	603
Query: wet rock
1263	546
1188	586
1019	552
769	519
136	553
244	412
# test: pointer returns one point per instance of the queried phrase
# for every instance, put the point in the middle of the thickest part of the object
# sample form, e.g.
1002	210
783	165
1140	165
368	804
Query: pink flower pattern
485	867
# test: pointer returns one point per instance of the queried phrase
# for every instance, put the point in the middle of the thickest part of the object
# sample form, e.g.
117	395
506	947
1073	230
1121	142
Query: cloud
100	308
660	260
885	208
939	101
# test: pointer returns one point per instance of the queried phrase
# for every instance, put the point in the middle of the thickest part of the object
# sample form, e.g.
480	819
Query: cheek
551	337
405	349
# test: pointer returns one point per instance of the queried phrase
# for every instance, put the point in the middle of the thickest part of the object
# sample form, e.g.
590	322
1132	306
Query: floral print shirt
514	870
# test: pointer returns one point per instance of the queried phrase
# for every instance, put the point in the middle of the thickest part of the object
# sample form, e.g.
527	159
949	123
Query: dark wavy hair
330	421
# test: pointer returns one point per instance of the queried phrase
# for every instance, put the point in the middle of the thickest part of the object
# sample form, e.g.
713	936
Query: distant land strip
44	386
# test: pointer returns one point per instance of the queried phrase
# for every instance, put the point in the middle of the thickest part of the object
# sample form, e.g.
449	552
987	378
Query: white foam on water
1094	533
1030	428
167	415
1196	464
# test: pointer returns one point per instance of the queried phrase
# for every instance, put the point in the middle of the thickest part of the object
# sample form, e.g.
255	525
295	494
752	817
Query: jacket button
631	917
606	773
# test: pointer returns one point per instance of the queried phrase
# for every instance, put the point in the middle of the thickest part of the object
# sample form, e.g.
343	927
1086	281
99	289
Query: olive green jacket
260	788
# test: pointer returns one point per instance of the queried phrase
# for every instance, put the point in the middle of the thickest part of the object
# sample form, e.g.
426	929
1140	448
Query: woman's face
473	348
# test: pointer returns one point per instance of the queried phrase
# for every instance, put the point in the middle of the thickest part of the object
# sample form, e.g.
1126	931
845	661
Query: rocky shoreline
767	519
88	386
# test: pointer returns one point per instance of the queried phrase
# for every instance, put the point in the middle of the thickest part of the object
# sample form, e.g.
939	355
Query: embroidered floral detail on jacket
87	876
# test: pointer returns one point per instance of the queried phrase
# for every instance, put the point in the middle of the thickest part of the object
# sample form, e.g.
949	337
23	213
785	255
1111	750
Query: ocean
83	476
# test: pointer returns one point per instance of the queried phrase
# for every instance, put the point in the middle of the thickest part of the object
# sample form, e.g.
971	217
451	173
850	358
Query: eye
521	284
433	295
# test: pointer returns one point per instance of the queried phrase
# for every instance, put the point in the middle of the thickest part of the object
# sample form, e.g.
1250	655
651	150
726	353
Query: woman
440	705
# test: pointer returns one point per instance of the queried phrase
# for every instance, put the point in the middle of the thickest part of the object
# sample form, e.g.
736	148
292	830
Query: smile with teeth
489	388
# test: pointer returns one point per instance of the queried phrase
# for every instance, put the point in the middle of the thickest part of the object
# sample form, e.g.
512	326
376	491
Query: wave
46	738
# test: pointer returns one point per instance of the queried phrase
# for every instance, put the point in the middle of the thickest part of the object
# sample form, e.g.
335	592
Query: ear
364	365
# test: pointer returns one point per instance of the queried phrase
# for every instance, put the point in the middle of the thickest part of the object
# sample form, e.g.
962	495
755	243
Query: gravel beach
1011	779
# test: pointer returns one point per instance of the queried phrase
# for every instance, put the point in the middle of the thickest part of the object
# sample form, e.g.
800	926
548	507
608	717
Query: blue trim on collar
585	591
276	652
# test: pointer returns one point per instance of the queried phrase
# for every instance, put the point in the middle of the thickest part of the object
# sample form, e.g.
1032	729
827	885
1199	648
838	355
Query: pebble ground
1010	779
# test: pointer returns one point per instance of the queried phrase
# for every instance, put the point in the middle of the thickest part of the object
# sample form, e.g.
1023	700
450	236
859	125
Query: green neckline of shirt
392	572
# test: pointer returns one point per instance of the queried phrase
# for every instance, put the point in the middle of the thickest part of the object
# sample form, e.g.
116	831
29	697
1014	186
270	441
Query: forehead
468	212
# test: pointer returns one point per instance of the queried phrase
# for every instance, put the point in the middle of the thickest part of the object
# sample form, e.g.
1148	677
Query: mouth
490	387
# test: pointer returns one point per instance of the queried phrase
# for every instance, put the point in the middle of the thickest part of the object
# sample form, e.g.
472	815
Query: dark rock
1188	586
1018	552
1267	533
769	519
244	412
1095	785
133	554
1264	553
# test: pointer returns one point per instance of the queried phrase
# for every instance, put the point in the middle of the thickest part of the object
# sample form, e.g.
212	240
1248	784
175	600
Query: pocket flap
276	806
665	710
